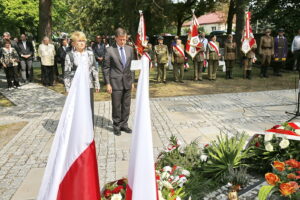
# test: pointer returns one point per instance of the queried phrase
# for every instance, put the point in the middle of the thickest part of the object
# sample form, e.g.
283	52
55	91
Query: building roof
210	18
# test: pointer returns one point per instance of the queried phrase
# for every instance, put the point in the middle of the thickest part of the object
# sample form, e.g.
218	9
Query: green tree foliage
278	14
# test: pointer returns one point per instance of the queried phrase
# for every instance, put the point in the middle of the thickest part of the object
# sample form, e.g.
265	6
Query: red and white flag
248	38
71	172
141	173
141	35
193	44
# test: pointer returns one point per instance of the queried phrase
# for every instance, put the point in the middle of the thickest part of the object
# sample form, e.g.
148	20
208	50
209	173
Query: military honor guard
161	59
148	48
213	56
280	51
178	60
266	50
229	55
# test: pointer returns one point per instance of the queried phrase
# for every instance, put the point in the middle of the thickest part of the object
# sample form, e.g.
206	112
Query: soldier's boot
245	74
227	75
230	74
262	71
249	74
266	72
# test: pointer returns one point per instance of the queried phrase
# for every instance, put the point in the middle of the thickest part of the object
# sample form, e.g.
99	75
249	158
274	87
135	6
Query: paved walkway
23	159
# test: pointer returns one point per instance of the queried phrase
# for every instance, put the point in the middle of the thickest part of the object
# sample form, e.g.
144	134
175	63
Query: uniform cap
160	38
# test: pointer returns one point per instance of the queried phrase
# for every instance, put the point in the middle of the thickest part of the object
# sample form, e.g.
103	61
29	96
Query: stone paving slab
188	118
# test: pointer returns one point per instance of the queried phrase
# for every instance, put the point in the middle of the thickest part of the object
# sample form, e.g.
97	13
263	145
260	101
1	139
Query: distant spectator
296	50
9	60
62	52
47	52
26	52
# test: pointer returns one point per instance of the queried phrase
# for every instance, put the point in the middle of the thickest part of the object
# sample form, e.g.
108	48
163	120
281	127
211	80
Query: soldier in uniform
266	50
248	60
178	59
229	55
280	51
213	56
161	59
148	49
199	62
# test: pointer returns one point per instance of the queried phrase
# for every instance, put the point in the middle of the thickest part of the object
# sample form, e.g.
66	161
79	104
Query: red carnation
180	176
117	189
121	181
157	177
206	145
276	126
107	193
257	144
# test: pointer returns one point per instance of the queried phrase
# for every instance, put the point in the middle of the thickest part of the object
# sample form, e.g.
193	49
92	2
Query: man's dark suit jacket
22	51
115	74
99	50
61	55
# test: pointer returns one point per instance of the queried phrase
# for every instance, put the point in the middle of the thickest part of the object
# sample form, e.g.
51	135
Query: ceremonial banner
141	35
141	173
71	172
193	44
248	38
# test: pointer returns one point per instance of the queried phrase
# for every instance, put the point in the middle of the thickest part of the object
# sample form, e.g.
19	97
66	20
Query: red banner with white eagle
141	35
248	38
193	44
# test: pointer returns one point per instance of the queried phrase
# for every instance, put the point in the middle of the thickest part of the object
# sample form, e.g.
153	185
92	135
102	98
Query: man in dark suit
62	52
26	51
99	50
119	80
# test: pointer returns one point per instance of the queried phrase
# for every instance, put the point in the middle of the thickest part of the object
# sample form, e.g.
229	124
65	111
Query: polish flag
193	44
141	35
248	38
71	172
141	173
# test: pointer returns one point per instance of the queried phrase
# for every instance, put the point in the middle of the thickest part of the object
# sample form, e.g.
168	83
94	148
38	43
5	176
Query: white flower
175	179
116	197
178	198
167	169
269	146
165	175
281	127
181	181
185	172
203	158
179	143
297	131
268	137
167	184
284	143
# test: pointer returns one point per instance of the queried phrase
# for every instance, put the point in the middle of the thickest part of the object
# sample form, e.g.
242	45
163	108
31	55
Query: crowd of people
17	55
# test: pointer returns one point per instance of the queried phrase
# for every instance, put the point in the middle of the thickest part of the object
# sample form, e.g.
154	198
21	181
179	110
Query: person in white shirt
296	50
47	52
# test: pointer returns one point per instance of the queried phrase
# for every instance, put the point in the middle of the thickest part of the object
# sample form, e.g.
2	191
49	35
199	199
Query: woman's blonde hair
78	35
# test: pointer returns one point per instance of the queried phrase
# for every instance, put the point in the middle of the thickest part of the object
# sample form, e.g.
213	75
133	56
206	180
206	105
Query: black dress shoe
117	132
126	129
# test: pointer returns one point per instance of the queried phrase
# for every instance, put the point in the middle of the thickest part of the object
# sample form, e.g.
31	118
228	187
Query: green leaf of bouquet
265	191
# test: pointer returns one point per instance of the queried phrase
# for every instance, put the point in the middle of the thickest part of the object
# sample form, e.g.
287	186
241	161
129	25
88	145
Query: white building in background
216	21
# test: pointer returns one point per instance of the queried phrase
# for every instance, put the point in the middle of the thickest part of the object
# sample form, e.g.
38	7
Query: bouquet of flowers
284	180
115	190
278	143
170	182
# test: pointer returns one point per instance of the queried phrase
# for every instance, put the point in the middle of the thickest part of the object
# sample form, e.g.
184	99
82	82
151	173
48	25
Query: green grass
190	87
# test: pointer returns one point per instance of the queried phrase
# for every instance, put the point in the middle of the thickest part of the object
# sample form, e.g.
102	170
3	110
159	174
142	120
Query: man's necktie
123	58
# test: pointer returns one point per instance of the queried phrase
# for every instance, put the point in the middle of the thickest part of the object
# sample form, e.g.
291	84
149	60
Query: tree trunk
179	25
230	16
45	19
240	21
